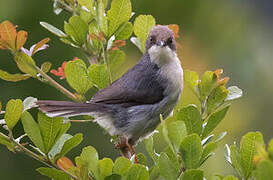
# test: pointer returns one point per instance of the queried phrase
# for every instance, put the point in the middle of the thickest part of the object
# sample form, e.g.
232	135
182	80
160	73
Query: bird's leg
126	148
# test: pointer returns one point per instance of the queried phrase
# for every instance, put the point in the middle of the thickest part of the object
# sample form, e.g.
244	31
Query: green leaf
233	156
13	77
264	170
124	31
113	177
193	174
137	43
270	149
64	129
89	158
77	76
69	144
29	102
142	27
207	84
142	159
234	93
176	132
32	129
249	144
165	133
149	145
207	151
101	18
192	118
87	17
191	151
230	178
155	173
167	168
46	66
119	13
173	157
49	129
191	79
53	173
58	146
87	3
99	75
137	172
105	167
213	120
7	143
77	29
25	63
13	113
216	98
122	166
116	59
53	29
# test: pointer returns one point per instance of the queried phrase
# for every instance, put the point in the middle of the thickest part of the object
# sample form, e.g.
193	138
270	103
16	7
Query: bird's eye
152	39
170	41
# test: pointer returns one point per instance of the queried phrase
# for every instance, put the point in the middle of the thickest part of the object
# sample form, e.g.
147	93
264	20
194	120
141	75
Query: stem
33	155
79	121
65	7
105	58
57	85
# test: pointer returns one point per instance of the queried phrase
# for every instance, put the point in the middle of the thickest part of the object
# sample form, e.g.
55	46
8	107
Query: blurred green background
235	35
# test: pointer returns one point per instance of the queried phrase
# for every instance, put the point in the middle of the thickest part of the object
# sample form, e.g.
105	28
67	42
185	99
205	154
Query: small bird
131	106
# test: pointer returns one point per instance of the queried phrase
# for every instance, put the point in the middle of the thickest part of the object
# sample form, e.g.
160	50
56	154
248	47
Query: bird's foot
127	149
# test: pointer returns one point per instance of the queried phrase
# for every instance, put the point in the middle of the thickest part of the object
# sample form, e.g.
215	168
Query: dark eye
170	41
152	39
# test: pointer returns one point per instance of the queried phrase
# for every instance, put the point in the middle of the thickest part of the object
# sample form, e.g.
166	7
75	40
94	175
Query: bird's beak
160	43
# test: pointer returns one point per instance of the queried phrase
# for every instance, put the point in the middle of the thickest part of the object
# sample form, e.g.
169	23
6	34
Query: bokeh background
236	35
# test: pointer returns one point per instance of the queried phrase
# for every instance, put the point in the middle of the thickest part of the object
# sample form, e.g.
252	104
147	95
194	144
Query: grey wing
139	85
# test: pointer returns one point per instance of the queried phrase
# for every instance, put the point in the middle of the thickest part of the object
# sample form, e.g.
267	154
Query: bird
133	105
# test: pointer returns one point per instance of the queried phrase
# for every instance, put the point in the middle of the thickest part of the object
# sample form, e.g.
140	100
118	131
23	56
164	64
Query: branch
57	85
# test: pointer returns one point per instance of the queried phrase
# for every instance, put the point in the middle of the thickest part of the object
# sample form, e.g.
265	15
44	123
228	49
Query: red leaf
8	34
65	163
175	29
21	39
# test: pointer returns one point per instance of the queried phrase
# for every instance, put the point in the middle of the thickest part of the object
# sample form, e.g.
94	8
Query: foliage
100	32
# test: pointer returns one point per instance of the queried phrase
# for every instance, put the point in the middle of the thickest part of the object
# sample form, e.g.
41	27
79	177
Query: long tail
68	109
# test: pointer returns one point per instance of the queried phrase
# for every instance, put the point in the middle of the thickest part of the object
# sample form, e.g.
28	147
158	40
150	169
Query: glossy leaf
207	84
207	151
122	166
21	39
14	109
234	93
49	129
137	172
167	168
69	144
77	76
248	145
53	173
149	145
193	174
119	13
99	75
58	146
191	79
213	120
25	63
216	98
192	118
176	132
33	131
77	29
13	77
142	27
191	151
124	31
53	29
29	103
105	167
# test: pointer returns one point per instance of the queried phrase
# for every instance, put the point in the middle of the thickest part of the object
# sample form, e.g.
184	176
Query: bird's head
161	43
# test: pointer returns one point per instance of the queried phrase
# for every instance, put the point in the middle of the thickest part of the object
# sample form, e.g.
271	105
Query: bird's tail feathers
68	109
